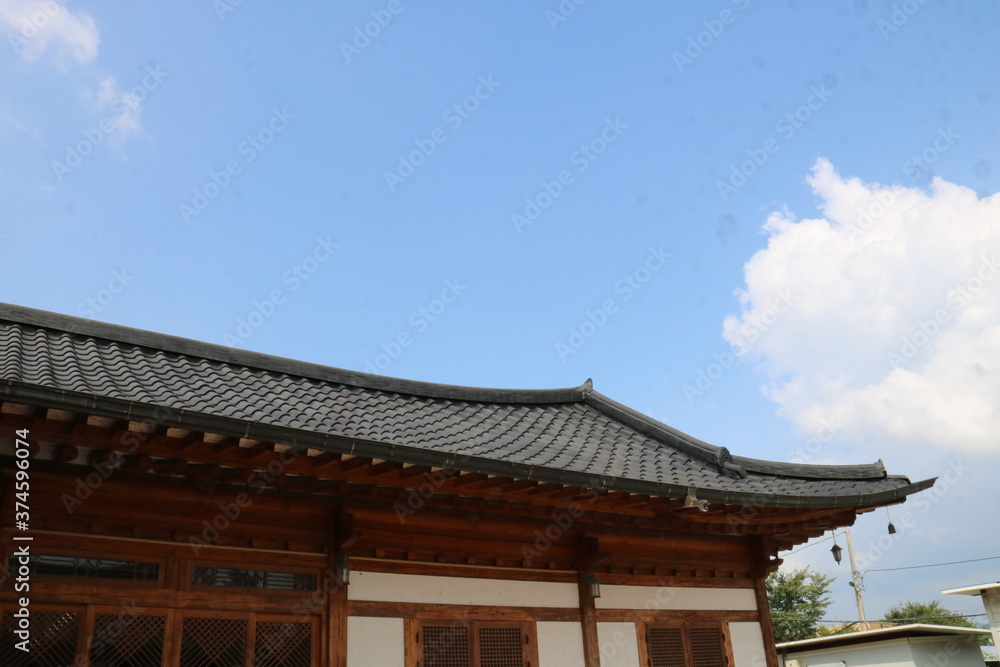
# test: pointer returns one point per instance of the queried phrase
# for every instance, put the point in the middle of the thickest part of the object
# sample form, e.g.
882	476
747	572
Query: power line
894	569
915	567
811	545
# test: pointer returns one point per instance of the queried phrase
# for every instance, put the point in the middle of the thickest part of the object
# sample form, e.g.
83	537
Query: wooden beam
64	453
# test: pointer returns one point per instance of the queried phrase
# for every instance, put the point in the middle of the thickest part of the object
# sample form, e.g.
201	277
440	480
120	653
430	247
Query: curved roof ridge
192	348
720	456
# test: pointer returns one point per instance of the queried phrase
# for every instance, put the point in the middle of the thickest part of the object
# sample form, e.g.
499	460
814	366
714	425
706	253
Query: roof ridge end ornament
730	468
587	387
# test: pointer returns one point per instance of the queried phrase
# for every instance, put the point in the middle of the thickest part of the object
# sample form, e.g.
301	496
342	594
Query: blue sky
528	194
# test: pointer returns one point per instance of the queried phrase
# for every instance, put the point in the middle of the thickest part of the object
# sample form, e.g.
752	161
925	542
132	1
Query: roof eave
714	454
301	438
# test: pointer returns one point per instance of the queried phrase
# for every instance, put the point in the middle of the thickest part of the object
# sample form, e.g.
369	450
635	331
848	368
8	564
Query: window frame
685	627
187	582
173	626
90	582
414	633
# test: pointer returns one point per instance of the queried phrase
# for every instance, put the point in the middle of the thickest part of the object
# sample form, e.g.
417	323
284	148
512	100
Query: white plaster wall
384	587
991	601
619	644
953	652
748	644
663	597
956	652
560	644
886	655
374	642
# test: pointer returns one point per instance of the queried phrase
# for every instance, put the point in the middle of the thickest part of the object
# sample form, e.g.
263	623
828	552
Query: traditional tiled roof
569	436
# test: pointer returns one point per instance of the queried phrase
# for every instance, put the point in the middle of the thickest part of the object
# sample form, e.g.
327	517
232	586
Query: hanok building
170	502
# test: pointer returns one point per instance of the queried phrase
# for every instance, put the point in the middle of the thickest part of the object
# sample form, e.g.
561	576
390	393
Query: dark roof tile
558	431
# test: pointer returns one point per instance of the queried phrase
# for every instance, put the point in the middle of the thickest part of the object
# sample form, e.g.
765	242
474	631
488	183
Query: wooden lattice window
53	639
445	646
126	639
687	645
474	644
207	642
500	646
708	646
666	647
283	644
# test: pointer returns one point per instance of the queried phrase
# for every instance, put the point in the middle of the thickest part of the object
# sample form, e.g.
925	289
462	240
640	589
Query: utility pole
855	584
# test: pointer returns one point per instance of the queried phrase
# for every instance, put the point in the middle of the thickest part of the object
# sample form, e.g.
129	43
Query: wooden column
342	537
761	565
587	559
588	620
336	613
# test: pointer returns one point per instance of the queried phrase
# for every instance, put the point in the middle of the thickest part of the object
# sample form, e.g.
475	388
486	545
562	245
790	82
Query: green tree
929	612
798	600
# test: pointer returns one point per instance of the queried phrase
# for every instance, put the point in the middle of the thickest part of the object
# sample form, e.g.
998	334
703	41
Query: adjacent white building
990	594
916	645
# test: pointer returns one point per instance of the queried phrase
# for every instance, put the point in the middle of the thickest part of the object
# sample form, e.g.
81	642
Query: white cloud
126	110
39	27
36	26
893	330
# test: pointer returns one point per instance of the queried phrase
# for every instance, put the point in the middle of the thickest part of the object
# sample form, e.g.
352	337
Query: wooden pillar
761	565
588	558
342	537
588	620
336	613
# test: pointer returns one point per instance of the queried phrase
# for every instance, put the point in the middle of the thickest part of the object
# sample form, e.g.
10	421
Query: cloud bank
39	26
892	333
